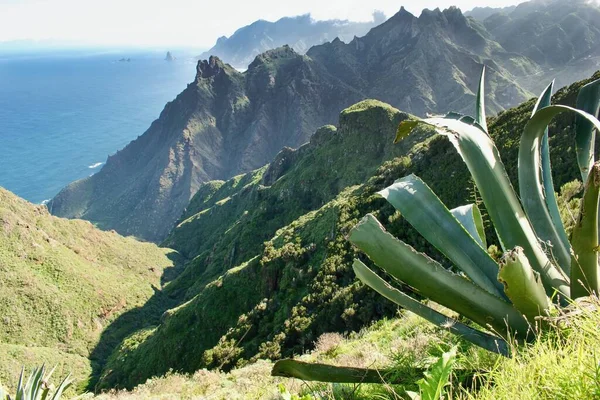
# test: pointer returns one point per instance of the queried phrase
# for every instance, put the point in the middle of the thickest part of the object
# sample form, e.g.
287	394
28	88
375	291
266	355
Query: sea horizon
62	113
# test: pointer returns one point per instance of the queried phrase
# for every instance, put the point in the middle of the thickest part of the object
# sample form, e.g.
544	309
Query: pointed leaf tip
588	100
480	105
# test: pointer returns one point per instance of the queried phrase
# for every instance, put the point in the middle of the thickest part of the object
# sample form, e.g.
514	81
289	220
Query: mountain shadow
134	320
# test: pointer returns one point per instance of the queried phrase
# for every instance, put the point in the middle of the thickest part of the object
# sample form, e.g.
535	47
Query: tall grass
564	364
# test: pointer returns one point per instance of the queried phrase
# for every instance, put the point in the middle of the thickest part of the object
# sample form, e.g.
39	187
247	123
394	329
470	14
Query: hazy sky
194	23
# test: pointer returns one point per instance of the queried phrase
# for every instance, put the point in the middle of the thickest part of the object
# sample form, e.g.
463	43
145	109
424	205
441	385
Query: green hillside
62	283
271	263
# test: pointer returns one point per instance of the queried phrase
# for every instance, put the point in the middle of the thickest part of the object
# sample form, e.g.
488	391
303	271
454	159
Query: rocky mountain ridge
563	38
300	33
226	122
223	123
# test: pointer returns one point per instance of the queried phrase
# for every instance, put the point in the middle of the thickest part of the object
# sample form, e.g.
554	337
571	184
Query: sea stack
169	57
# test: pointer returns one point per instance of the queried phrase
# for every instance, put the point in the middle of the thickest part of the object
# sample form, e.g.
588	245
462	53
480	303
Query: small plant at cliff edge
37	386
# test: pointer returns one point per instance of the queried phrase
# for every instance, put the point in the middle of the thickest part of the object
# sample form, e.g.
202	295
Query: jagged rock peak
322	135
279	166
368	112
451	15
431	15
208	68
401	15
404	11
454	13
284	51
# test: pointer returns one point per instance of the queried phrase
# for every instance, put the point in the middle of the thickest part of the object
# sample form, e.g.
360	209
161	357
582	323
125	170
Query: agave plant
540	270
37	387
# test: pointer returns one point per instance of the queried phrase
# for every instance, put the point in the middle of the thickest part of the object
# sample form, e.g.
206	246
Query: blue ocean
61	115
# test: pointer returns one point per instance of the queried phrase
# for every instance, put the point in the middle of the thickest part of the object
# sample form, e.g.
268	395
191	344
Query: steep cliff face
223	123
563	37
427	63
550	32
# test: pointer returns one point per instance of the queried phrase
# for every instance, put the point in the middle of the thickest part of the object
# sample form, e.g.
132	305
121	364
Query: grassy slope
405	342
276	298
551	368
564	365
61	283
228	222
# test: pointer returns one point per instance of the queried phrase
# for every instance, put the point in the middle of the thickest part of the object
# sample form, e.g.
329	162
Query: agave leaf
20	388
480	105
433	385
428	215
434	281
547	181
588	100
532	189
327	373
512	225
407	126
64	385
481	339
28	390
36	384
584	268
523	285
470	218
46	391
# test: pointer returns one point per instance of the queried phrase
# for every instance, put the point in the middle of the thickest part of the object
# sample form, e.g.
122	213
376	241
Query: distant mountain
227	122
481	13
300	33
